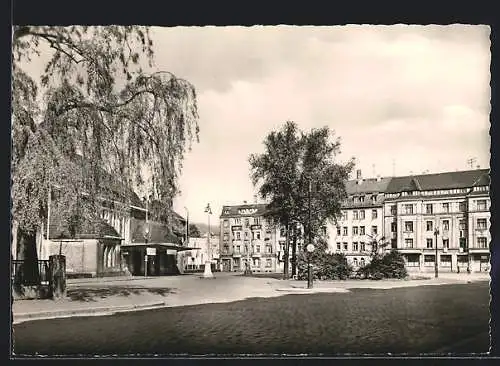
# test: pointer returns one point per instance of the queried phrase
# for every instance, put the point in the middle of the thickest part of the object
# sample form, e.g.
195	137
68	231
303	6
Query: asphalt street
414	320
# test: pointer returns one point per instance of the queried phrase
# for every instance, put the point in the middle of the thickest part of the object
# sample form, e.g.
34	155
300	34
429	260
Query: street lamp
146	238
310	246
436	233
208	263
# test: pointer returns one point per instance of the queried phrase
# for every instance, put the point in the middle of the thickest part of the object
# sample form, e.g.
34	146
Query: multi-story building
362	219
415	213
247	237
450	210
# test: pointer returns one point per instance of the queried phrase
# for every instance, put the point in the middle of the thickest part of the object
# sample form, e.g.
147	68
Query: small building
196	254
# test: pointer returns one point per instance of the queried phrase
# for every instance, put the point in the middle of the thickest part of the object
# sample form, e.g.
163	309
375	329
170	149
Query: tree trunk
286	274
294	251
28	273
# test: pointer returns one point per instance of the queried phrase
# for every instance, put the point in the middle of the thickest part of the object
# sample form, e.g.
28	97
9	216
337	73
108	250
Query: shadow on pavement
95	293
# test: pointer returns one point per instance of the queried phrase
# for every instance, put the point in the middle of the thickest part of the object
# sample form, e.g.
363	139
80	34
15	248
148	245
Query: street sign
150	251
310	248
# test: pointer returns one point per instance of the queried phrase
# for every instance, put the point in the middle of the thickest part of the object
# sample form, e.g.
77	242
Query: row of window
359	215
408	209
481	243
237	221
361	199
255	262
237	235
356	230
244	248
356	246
438	192
481	225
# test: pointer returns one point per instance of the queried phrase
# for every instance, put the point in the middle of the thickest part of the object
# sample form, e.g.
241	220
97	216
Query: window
354	230
256	221
237	221
246	234
374	198
257	249
247	222
394	227
362	262
226	248
429	225
345	231
481	243
481	224
429	243
361	199
446	243
394	244
446	207
361	230
269	249
446	225
344	215
394	210
269	263
345	246
238	249
409	226
461	224
226	223
362	214
226	237
374	230
463	243
409	209
374	214
413	260
428	260
338	230
409	243
355	246
282	232
258	235
338	246
355	215
462	206
428	208
362	247
256	262
238	235
355	262
481	205
445	260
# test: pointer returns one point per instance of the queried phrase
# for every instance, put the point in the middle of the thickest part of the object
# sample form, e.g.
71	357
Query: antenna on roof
471	162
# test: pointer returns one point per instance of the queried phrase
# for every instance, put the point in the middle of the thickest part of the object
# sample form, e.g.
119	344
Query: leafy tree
388	265
92	126
194	232
299	176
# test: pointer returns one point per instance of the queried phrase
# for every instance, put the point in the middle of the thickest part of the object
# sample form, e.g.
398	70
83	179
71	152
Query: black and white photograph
250	190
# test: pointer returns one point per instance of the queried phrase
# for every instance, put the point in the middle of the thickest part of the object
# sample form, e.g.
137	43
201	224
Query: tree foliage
95	101
194	232
300	178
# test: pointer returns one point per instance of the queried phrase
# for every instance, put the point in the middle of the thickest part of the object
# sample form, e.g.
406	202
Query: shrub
325	266
389	265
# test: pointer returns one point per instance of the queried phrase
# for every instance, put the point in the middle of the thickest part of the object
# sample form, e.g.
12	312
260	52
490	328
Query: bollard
57	276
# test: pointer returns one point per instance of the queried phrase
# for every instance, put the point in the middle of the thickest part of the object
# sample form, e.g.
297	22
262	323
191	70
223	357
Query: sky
403	99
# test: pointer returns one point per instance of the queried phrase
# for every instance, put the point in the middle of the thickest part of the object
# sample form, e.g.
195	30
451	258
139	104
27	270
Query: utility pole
309	268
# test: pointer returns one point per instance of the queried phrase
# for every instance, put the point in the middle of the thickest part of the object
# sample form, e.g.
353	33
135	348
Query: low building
196	254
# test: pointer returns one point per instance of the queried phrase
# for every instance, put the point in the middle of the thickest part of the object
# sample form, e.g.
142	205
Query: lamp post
310	246
146	238
187	226
436	233
208	263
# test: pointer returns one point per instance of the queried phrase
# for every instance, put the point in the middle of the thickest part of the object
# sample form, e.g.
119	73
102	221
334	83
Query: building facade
413	214
197	254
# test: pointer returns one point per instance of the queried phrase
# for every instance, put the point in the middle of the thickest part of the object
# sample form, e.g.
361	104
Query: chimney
358	174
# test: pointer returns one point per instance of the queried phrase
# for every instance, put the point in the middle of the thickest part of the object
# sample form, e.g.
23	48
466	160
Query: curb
313	290
105	310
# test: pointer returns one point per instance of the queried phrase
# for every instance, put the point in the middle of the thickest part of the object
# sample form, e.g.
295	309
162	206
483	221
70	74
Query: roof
371	185
447	180
101	230
256	209
159	233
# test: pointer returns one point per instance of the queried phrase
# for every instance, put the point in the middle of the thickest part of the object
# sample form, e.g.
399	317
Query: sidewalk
106	296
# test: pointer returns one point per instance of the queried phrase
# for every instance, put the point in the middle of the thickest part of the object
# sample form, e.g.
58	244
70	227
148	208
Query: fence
17	272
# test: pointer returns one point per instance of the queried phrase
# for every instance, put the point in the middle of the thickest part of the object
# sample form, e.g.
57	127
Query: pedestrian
458	268
468	270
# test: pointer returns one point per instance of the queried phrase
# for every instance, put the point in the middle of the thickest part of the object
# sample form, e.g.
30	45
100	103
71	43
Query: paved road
448	318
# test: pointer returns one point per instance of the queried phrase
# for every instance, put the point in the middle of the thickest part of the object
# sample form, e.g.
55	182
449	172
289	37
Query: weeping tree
93	124
299	176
